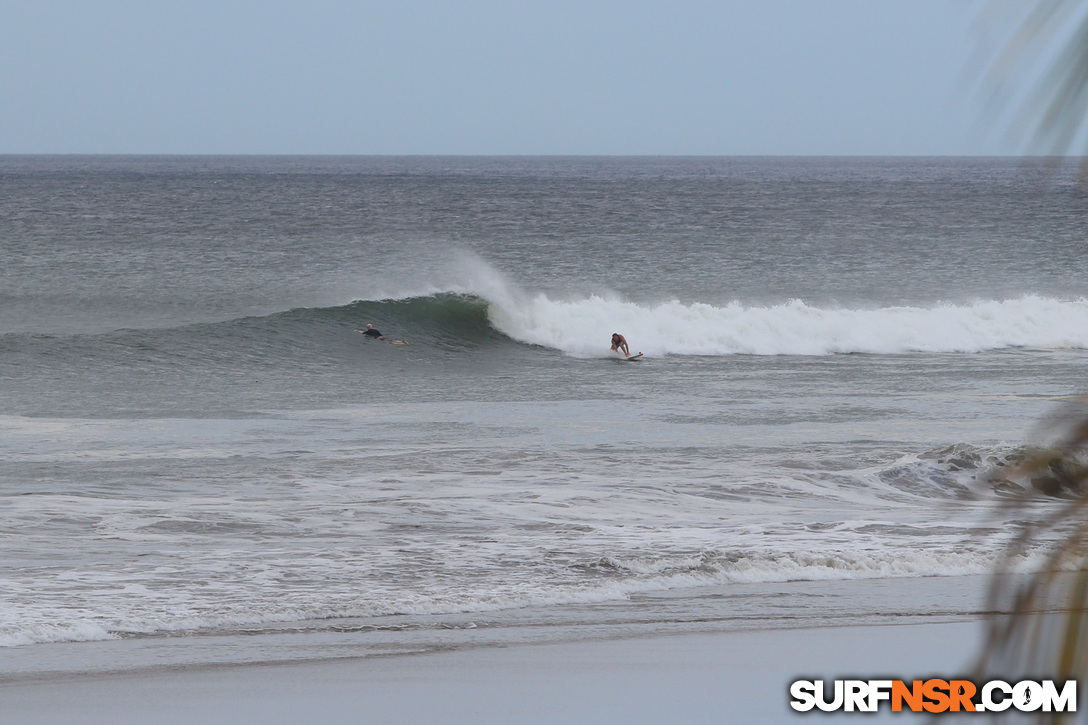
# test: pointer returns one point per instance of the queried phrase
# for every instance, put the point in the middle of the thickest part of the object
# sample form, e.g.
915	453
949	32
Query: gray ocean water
196	440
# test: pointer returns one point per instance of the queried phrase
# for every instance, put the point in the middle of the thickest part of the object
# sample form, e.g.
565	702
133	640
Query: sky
611	77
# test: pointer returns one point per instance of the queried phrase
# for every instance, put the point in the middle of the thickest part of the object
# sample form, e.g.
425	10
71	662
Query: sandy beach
730	677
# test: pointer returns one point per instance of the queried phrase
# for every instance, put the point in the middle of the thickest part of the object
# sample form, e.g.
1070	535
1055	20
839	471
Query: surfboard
630	358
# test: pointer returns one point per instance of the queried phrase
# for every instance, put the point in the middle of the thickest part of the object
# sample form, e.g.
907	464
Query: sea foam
582	327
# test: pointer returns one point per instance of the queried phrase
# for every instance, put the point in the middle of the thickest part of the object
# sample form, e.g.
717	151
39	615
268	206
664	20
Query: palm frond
1052	114
1039	621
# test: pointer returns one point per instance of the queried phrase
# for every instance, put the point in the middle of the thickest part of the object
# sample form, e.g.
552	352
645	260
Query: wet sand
723	677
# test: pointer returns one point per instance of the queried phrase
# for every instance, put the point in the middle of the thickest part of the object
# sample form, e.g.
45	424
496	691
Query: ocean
202	459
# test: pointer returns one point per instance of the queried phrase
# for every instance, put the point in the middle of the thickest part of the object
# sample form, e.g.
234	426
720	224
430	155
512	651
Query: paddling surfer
374	334
619	342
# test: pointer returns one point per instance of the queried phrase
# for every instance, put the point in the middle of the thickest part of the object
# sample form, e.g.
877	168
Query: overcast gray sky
735	77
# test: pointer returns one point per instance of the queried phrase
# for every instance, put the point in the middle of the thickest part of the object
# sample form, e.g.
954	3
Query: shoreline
731	676
756	607
706	655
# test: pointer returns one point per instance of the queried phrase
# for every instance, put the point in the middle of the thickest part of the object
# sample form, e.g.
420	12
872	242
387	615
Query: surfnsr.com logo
933	695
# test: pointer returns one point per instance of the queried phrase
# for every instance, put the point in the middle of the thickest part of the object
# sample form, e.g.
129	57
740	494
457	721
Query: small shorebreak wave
607	578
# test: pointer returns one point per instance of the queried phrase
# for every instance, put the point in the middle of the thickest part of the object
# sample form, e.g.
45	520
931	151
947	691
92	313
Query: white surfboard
630	358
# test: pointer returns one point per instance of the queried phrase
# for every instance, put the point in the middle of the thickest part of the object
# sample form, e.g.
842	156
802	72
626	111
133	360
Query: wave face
583	326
